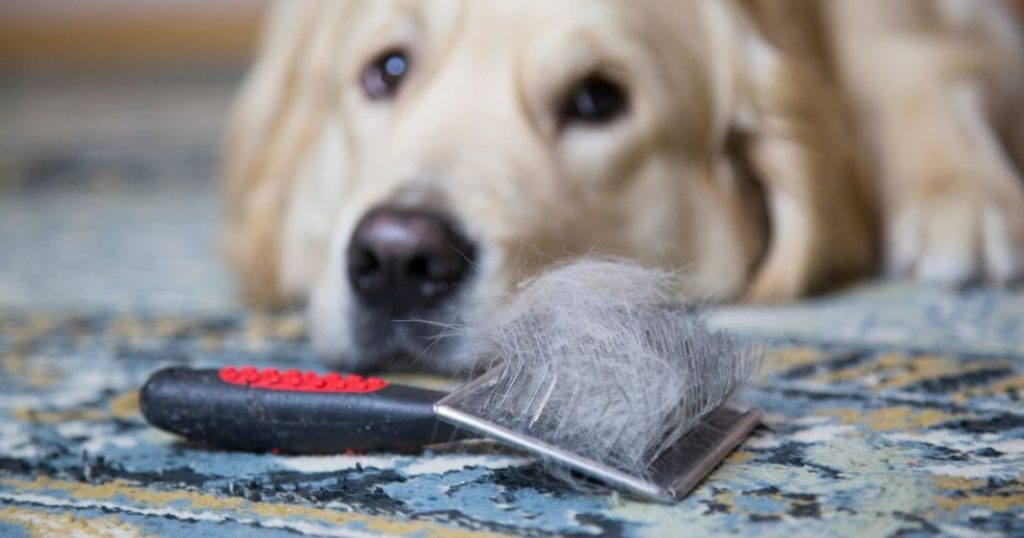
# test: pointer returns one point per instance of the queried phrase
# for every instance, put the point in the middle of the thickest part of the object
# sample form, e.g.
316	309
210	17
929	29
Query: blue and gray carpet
891	410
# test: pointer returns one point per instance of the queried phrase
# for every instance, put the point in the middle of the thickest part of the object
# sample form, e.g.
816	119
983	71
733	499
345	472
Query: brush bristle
609	360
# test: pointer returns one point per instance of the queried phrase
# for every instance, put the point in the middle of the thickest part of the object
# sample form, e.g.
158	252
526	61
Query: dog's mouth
423	341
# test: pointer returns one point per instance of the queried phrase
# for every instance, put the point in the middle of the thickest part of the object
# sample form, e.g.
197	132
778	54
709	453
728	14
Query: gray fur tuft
609	360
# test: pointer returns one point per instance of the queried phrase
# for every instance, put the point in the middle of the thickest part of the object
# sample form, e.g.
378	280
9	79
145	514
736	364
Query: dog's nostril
365	262
364	268
402	259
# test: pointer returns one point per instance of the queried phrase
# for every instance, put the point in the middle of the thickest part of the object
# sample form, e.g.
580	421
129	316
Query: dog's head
403	164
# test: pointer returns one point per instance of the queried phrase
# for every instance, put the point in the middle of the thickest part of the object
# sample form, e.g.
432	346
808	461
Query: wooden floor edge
118	42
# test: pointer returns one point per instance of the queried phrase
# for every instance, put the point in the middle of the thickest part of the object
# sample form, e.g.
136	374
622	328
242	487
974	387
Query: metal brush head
671	476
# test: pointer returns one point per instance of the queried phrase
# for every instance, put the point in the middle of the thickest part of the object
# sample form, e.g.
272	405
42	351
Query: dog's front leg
939	86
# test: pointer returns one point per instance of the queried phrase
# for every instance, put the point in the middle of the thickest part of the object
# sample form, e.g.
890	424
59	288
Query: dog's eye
383	76
595	100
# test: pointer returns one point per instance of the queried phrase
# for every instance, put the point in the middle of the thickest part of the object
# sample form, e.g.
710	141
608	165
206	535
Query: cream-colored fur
772	147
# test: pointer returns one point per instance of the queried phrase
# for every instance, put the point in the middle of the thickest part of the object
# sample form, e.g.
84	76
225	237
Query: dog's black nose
402	259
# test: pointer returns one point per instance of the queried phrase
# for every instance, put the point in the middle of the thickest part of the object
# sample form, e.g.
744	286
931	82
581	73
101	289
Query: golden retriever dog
402	164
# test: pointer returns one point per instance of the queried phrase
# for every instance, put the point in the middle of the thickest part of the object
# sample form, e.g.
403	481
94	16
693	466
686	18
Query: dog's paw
968	234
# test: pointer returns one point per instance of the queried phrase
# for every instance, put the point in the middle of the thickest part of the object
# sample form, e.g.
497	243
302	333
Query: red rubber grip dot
296	381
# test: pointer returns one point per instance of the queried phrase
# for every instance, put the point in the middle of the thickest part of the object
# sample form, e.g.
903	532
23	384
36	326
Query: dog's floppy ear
783	126
276	118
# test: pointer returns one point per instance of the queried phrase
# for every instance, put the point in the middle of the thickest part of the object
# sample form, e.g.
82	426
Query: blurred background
110	122
111	113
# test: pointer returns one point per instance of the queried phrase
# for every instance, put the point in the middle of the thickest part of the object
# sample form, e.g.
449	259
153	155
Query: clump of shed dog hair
609	360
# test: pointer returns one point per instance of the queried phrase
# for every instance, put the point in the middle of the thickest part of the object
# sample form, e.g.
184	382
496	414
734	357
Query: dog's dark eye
595	100
383	76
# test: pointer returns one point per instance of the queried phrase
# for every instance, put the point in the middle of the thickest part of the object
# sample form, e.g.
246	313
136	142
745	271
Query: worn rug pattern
857	440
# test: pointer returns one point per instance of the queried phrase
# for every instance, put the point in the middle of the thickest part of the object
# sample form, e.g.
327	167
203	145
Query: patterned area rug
858	440
891	410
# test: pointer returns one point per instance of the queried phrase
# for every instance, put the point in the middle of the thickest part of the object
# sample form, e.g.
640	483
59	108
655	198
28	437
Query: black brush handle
291	412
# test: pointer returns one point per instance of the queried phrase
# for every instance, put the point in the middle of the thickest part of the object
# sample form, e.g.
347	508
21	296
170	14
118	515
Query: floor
891	409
